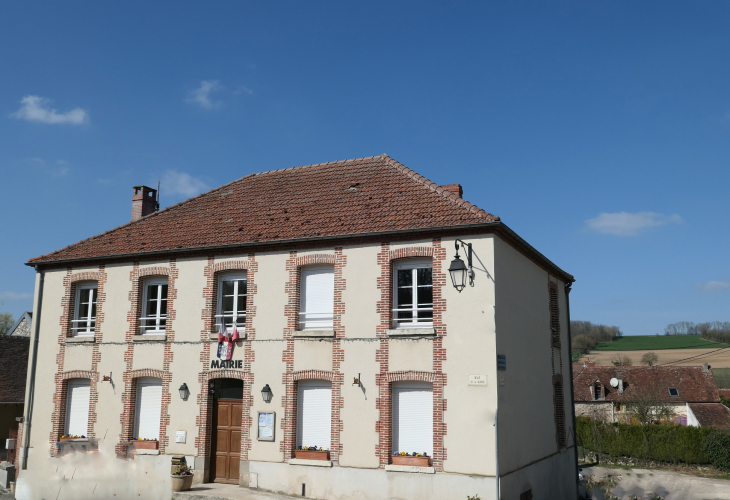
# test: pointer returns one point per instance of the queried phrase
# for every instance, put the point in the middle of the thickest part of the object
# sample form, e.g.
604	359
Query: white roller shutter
77	407
147	411
314	413
317	297
413	417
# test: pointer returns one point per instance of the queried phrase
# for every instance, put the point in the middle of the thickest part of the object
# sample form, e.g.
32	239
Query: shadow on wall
95	475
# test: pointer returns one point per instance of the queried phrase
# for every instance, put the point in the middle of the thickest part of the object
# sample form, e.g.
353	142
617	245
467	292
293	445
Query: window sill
149	337
410	468
74	340
311	463
412	332
313	333
214	336
147	452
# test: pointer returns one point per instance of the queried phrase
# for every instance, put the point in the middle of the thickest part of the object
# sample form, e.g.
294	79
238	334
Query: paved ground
666	484
214	491
720	359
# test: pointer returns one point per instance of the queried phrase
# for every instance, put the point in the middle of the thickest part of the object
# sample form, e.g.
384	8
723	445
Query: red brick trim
289	399
218	374
231	265
146	372
86	276
168	355
410	375
131	403
317	258
80	374
338	357
154	271
312	375
410	252
383	401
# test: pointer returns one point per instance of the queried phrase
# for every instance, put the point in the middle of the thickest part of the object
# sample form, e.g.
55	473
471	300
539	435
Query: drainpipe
572	395
496	446
30	392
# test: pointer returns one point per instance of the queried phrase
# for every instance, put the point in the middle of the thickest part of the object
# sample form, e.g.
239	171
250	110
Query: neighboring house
22	326
353	339
13	368
608	392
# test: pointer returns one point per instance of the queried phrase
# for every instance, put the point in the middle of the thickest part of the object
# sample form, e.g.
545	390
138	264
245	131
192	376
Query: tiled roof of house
13	368
724	392
692	383
711	414
358	196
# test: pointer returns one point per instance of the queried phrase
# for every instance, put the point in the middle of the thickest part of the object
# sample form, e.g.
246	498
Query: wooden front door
226	440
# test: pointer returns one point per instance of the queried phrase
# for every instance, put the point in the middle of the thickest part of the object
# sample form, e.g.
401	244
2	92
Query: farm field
715	358
656	342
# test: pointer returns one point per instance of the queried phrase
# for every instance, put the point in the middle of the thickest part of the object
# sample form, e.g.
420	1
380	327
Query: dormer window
673	392
598	390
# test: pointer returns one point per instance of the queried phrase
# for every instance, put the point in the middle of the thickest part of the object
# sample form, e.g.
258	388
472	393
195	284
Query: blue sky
599	131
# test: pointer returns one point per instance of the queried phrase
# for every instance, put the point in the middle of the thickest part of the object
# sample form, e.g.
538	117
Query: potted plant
71	437
182	479
146	444
412	459
311	453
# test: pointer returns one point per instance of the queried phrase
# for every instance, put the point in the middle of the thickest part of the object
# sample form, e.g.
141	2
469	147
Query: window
77	407
314	413
597	388
84	320
231	301
317	303
673	392
148	407
413	297
155	306
413	417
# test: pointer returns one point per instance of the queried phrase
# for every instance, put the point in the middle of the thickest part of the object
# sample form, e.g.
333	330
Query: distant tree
716	331
6	321
595	332
621	360
582	344
649	359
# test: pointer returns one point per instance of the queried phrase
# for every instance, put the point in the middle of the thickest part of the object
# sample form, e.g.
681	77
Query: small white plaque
478	380
181	436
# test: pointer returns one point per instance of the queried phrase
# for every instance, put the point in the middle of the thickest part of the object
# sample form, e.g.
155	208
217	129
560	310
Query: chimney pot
144	202
454	189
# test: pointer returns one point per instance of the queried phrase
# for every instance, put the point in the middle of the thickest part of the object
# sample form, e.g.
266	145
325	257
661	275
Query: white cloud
15	295
713	286
35	109
242	90
175	182
201	95
628	224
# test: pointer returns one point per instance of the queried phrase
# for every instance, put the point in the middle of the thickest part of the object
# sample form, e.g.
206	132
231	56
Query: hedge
661	443
717	446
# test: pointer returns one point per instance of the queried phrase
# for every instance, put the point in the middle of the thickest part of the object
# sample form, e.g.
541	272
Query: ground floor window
148	408
77	407
413	417
314	413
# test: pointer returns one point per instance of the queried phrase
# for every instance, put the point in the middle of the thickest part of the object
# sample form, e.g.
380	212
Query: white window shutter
148	408
317	297
77	407
314	413
413	417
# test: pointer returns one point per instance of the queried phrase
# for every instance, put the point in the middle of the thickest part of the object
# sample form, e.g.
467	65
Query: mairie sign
227	363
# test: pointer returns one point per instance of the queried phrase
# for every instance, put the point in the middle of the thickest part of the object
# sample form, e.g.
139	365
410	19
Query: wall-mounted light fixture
184	392
267	394
458	270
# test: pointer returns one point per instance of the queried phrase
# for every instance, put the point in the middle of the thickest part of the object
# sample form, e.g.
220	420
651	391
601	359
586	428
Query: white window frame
240	316
70	386
84	327
156	328
326	435
315	320
411	264
151	381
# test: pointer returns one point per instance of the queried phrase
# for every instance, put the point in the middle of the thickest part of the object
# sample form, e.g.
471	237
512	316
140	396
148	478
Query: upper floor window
413	294
155	306
317	298
84	320
231	301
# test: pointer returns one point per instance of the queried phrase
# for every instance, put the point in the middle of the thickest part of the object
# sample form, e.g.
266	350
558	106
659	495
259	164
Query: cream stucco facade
505	312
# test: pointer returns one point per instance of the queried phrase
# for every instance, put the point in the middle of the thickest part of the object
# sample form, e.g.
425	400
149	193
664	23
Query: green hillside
656	342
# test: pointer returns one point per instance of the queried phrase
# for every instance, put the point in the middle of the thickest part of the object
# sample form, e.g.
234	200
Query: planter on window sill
73	439
312	455
145	445
412	461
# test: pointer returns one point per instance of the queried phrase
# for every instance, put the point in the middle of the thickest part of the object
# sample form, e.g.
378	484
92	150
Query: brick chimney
144	202
454	188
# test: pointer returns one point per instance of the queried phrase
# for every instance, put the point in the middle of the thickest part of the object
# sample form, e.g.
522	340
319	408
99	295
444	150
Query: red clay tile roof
711	414
724	392
329	199
692	382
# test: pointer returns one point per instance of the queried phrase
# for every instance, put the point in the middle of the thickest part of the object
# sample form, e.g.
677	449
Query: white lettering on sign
477	380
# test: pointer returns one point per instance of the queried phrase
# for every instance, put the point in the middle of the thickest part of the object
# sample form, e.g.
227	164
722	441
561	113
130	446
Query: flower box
312	455
146	445
63	440
412	461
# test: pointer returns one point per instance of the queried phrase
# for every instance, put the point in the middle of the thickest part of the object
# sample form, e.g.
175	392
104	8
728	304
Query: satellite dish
614	382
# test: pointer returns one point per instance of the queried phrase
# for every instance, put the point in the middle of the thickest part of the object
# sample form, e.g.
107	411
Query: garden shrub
717	447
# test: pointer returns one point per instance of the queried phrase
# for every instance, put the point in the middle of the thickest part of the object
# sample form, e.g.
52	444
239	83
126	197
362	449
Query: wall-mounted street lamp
184	392
267	394
458	270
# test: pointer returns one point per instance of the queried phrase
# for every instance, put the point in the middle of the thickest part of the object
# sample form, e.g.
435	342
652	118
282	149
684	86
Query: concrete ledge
149	338
75	340
313	333
214	336
410	468
412	332
311	463
147	452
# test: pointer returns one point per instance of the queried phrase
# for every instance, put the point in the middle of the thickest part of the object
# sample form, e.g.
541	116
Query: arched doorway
225	453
